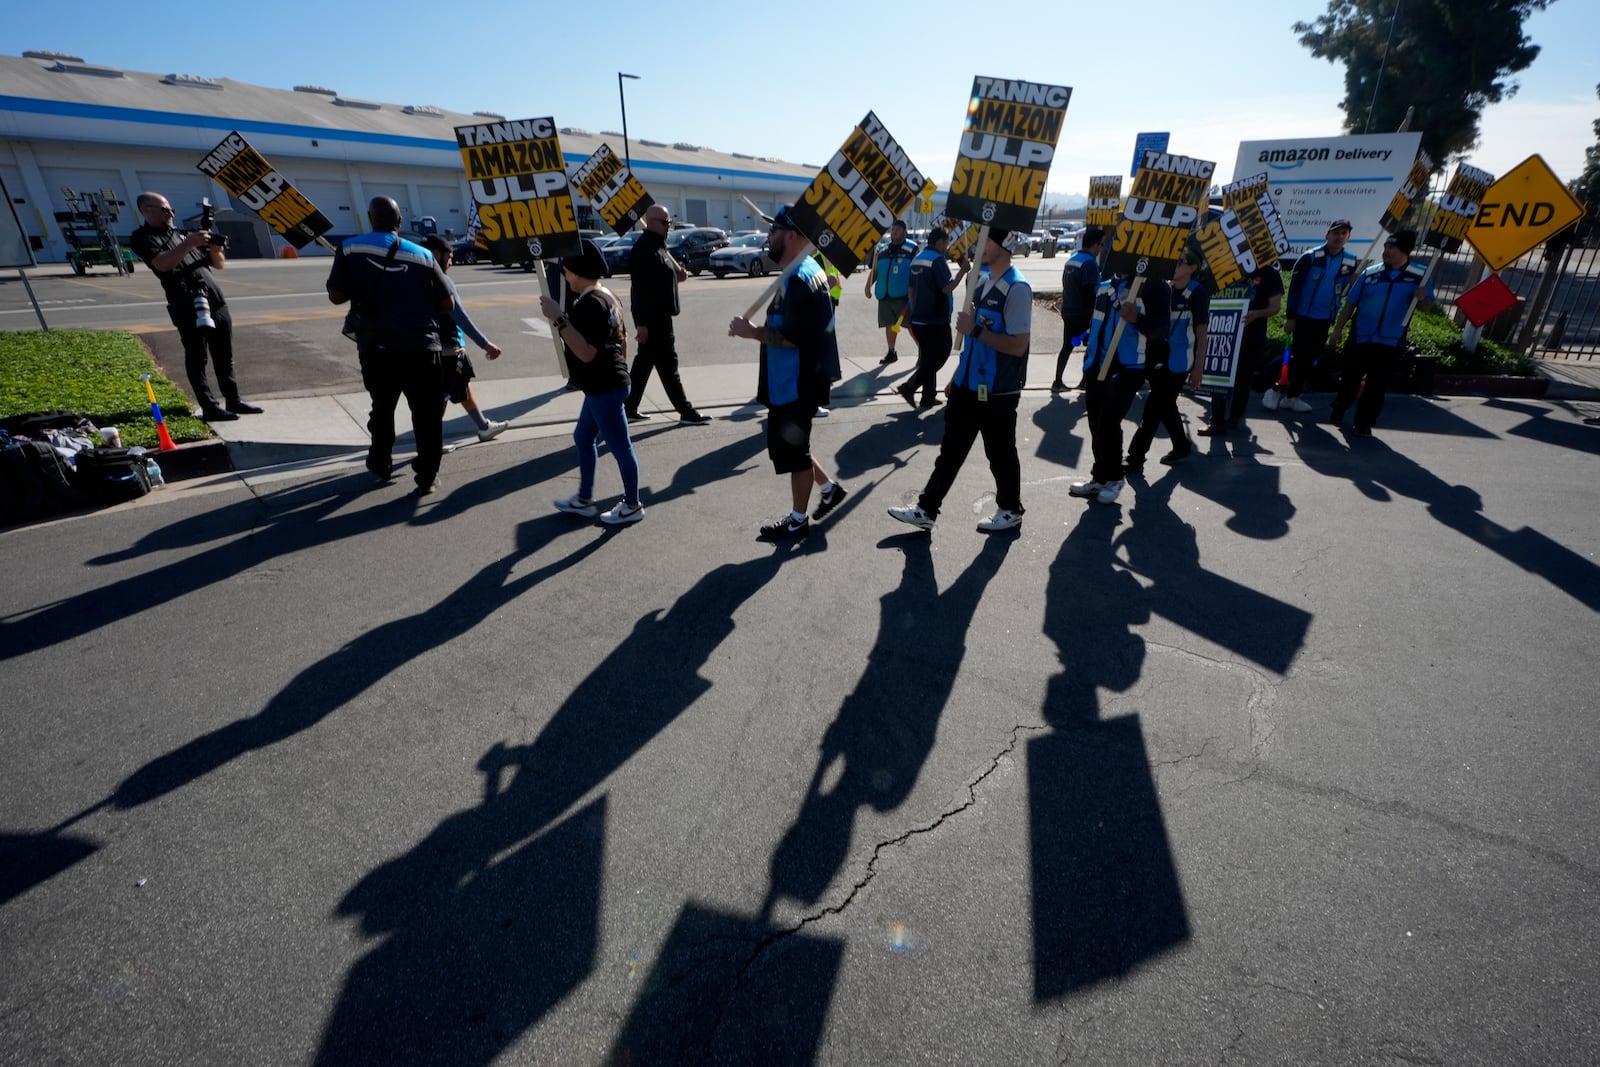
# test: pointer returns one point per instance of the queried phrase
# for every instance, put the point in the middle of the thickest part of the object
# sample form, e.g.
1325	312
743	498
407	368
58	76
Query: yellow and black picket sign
1527	206
607	183
1250	200
1105	201
518	179
1162	208
253	182
1457	208
1007	146
963	236
1415	184
867	184
1226	248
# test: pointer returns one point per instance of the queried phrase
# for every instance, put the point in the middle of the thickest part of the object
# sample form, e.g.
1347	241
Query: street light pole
627	153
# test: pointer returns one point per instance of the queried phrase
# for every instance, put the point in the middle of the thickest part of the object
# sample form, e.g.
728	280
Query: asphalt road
1290	757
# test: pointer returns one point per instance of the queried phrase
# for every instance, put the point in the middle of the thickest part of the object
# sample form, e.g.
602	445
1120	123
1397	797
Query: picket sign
977	256
555	335
779	282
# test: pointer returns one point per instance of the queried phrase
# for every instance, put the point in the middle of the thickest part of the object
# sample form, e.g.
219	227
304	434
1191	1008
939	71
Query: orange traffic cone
167	444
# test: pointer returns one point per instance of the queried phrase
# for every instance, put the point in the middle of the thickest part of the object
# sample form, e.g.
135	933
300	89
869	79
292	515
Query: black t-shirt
597	315
1268	283
192	272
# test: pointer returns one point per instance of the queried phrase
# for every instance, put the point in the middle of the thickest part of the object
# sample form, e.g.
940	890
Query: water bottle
153	469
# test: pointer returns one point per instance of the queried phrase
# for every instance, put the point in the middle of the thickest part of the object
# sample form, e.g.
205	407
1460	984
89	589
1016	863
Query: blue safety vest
1382	299
893	280
981	365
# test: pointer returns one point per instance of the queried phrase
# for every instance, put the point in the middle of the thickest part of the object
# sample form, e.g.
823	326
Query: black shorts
789	437
457	372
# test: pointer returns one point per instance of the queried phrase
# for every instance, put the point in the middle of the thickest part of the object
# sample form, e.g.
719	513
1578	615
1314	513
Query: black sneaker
218	415
785	528
931	402
828	501
889	358
638	416
908	394
241	407
694	418
1177	455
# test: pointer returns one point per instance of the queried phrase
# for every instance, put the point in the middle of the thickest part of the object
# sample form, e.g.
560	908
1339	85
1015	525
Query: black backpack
35	481
111	475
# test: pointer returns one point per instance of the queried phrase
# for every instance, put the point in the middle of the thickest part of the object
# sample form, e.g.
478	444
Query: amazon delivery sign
1315	180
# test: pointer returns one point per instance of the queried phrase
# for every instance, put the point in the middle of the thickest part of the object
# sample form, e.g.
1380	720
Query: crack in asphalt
771	939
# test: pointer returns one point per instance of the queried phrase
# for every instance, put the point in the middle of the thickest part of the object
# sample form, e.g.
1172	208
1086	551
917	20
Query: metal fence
1557	285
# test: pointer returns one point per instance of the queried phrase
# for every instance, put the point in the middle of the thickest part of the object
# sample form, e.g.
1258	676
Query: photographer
184	262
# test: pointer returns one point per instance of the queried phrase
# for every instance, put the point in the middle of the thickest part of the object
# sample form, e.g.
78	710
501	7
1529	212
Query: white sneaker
1108	492
1269	399
577	505
913	516
1086	488
623	513
1000	520
821	413
1294	403
493	430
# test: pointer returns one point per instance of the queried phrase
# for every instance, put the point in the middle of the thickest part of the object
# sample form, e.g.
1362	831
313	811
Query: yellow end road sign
1524	208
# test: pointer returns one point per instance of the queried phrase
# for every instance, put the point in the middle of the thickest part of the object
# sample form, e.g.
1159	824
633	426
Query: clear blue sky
751	78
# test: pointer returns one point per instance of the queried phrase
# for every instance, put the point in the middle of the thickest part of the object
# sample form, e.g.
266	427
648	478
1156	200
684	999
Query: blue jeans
602	416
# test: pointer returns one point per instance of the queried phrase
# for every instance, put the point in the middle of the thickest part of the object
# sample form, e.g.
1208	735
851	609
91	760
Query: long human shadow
274	526
1106	896
1055	420
28	859
709	468
337	679
1379	471
707	999
1559	433
1229	472
417	989
881	443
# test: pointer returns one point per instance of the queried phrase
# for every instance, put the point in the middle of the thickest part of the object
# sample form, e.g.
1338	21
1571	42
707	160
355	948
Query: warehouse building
71	125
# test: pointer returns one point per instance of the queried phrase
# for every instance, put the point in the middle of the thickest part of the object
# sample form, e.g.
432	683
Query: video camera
208	218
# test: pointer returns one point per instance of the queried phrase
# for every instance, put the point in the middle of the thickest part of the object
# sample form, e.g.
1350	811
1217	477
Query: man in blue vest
1147	327
797	350
890	282
1380	301
1191	312
985	391
929	309
1080	279
1320	279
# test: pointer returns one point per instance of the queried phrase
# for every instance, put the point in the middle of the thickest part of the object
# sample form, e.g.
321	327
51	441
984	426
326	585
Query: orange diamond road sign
1524	208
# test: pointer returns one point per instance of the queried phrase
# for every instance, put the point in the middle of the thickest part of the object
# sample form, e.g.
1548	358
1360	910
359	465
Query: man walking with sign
794	377
985	391
929	308
1184	363
1266	297
1320	278
890	282
654	302
1380	301
184	262
1080	279
1146	326
398	290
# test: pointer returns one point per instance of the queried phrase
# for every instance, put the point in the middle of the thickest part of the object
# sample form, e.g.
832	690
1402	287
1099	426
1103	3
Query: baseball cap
1340	224
783	221
1405	240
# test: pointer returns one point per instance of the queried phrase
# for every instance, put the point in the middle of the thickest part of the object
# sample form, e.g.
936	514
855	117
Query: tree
1587	187
1447	58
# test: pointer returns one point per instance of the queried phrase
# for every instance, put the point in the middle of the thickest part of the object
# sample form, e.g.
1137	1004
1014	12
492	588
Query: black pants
216	342
933	352
1076	325
966	418
1108	403
1377	363
1307	345
388	374
658	352
1161	409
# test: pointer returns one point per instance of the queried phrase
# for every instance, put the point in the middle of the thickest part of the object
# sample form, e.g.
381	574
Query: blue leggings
602	416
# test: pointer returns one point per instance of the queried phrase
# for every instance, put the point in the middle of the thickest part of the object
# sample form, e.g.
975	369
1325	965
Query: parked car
744	255
619	253
467	250
693	247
